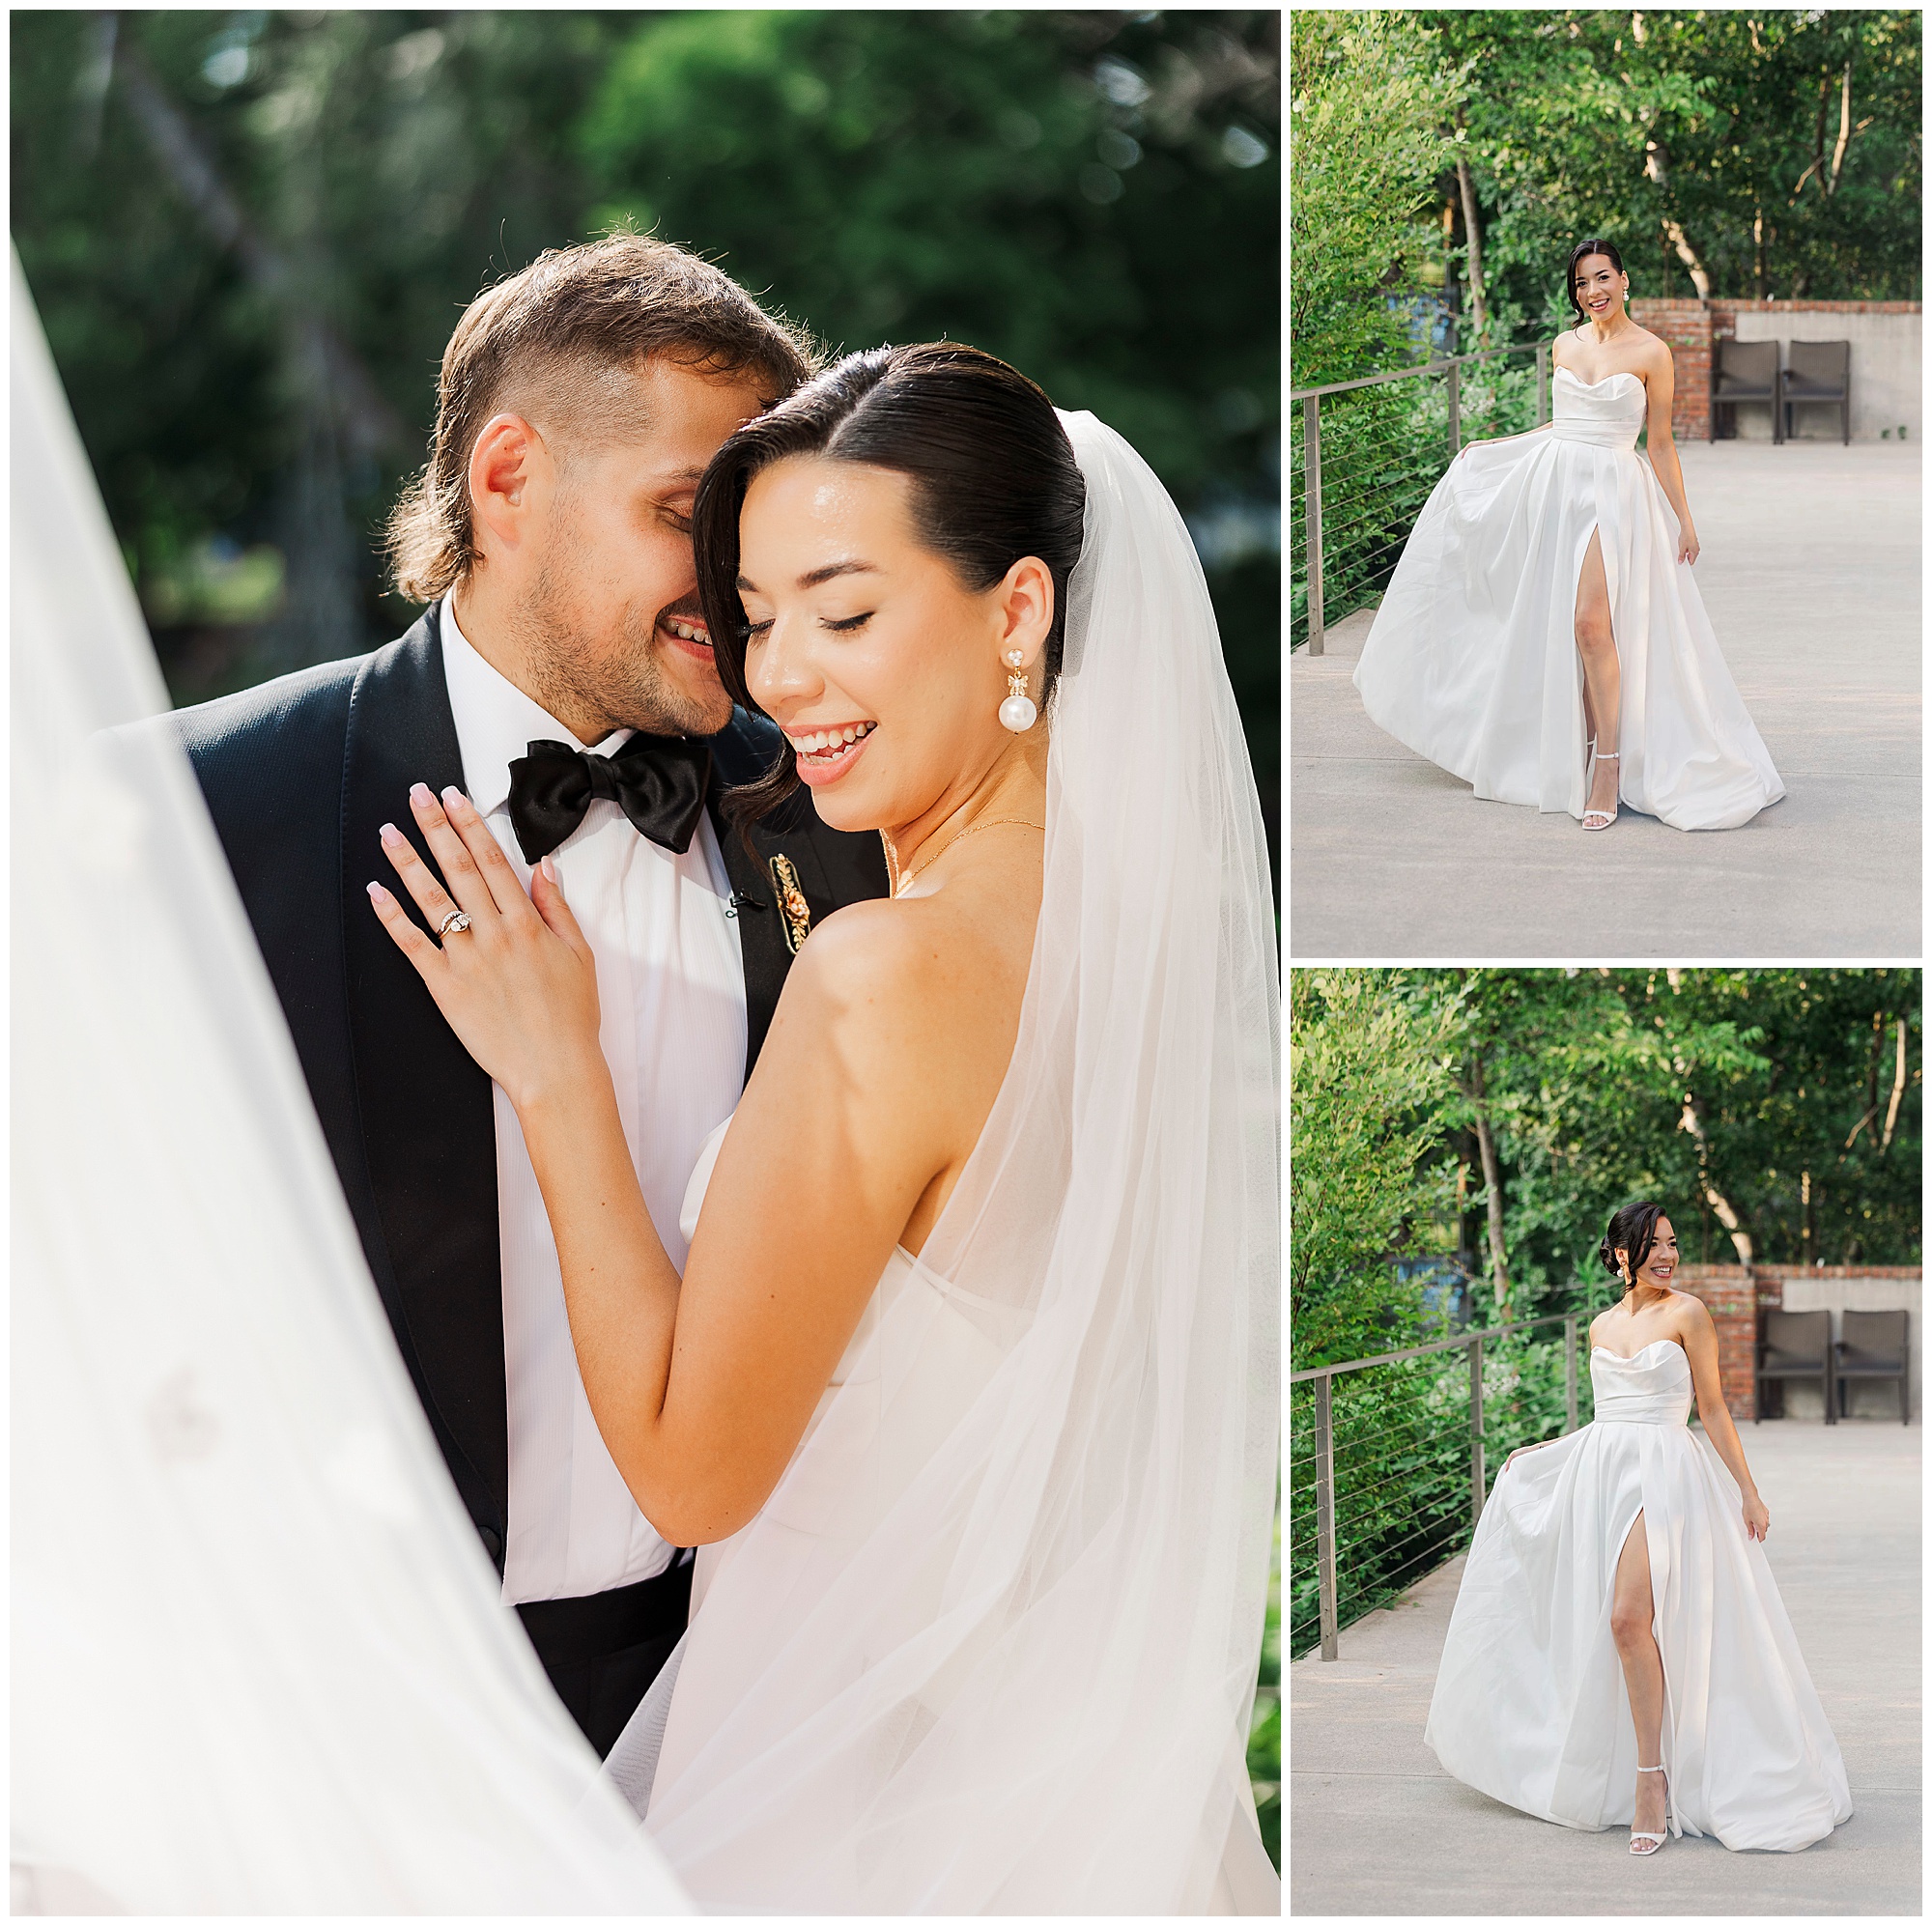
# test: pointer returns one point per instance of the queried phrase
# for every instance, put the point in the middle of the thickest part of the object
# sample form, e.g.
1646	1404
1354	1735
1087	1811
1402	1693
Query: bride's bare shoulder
1652	349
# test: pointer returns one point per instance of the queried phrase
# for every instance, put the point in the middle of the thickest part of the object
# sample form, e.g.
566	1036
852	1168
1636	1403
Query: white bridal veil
259	1661
1006	1635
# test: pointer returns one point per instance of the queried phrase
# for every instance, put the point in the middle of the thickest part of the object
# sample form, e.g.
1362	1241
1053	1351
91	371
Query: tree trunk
1472	234
1897	1092
371	423
1844	135
1657	164
1693	1121
1492	1183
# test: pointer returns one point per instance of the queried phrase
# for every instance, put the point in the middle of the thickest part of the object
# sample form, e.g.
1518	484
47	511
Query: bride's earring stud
1017	712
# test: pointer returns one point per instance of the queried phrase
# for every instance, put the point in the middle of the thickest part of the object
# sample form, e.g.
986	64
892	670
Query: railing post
1455	409
1476	1480
1311	508
1325	1510
1543	415
1570	1372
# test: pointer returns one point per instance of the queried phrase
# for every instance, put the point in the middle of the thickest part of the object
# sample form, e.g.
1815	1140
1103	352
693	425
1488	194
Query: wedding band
453	924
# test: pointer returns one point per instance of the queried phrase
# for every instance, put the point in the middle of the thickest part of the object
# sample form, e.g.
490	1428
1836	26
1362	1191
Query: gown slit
1593	724
1472	659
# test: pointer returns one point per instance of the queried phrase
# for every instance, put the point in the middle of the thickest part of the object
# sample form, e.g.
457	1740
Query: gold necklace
901	882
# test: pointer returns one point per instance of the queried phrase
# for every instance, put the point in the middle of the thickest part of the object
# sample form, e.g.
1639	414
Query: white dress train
1531	1706
1472	658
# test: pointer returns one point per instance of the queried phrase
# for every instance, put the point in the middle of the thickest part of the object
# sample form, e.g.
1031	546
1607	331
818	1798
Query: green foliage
251	359
1370	1087
1370	102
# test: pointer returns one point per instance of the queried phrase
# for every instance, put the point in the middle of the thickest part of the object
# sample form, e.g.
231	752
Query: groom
549	537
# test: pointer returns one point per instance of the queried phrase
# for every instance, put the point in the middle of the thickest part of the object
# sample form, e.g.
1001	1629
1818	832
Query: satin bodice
1651	1388
1606	415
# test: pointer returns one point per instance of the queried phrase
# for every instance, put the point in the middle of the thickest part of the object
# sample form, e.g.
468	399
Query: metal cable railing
1388	1460
1363	456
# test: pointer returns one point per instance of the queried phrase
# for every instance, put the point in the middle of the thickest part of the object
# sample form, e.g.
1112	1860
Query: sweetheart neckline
1635	1354
1621	373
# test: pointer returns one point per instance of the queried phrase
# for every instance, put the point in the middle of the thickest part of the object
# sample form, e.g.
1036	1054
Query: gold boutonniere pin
793	909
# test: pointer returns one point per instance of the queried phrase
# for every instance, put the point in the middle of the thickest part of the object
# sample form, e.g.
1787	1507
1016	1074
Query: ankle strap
1650	1769
1610	755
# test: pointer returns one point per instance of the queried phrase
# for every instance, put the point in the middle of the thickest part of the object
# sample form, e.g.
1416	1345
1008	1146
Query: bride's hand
519	985
1757	1516
1687	544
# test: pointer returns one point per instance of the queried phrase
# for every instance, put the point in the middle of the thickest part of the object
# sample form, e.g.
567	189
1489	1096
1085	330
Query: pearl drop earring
1017	712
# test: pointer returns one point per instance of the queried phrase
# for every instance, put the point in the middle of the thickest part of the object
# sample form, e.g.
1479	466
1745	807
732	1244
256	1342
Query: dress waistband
1607	433
1644	1407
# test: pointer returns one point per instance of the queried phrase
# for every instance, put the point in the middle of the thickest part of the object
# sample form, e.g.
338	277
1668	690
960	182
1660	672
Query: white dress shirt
670	984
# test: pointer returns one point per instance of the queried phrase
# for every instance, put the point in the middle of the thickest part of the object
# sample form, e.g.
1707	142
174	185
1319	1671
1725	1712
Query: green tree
1369	1084
248	234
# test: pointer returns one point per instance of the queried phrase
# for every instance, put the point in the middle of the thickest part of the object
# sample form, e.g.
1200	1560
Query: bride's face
884	670
1600	287
1661	1265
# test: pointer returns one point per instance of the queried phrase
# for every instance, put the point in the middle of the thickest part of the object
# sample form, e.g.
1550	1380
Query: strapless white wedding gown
1472	659
1529	1703
922	1353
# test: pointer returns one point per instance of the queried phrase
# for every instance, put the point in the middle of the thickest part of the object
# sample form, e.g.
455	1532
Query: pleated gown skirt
1531	1706
1472	658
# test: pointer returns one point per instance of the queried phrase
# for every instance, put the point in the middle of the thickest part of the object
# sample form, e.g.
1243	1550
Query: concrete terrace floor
1810	571
1376	1827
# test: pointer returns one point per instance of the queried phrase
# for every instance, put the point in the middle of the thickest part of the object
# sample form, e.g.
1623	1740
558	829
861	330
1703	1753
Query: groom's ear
1025	602
509	469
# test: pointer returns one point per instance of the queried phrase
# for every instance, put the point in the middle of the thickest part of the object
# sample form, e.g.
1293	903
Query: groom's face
612	620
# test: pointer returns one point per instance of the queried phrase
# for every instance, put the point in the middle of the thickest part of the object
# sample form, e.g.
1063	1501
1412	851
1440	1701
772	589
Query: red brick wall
1729	1295
1734	1298
1691	328
1686	326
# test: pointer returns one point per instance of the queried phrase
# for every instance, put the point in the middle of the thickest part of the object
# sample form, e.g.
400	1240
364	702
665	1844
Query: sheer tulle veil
1025	1687
259	1661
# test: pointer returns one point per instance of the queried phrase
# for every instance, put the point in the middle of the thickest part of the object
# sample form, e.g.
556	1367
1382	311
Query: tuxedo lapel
762	937
427	1113
829	868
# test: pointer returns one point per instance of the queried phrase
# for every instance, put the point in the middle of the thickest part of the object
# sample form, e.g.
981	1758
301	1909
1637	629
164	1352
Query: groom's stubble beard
616	676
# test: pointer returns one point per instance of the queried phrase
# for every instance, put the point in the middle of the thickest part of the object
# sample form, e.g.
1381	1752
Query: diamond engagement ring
453	924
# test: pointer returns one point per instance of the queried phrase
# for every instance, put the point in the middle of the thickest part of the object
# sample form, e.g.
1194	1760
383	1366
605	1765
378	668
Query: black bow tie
659	782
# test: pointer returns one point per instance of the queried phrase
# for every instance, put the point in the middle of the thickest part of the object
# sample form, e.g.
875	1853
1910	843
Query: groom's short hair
548	340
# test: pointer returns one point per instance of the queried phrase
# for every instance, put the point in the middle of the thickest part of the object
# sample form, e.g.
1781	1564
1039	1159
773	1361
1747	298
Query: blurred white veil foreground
259	1661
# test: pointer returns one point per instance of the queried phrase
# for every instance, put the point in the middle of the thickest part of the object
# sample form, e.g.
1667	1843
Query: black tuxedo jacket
299	776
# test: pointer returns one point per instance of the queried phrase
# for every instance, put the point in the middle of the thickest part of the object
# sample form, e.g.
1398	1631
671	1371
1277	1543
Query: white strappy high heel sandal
1656	1839
1600	819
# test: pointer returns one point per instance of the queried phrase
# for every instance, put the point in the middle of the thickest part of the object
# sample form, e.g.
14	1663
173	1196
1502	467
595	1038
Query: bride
968	1390
1543	636
1597	1674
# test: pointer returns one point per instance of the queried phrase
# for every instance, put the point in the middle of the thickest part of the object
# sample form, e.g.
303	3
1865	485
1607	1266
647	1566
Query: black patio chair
1794	1343
1873	1343
1746	371
1819	372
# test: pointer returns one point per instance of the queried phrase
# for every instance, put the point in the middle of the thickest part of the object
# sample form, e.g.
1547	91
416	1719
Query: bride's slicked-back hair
994	480
1633	1230
1581	253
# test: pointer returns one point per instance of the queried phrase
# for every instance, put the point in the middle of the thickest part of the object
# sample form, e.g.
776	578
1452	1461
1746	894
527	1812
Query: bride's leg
1630	1614
1597	645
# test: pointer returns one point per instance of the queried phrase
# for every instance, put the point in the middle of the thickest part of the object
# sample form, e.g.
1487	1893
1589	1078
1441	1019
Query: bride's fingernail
452	795
376	893
420	794
392	839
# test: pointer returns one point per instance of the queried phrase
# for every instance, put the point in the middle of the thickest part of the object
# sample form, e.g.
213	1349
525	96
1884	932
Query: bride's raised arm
859	1107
